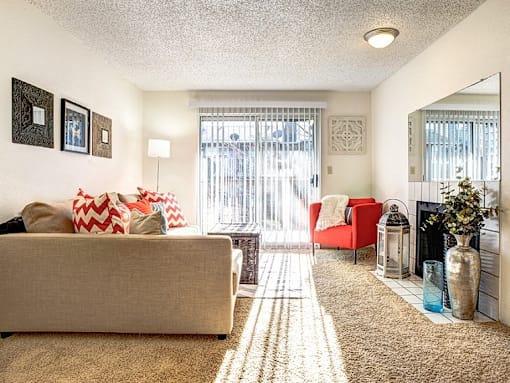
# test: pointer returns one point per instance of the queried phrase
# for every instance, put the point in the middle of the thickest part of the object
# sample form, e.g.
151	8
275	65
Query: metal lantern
393	244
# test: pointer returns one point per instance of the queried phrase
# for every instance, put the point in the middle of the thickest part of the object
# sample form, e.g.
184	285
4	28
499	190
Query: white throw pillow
332	211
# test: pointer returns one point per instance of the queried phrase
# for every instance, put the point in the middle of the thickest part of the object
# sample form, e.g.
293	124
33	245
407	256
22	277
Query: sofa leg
4	335
355	256
222	336
313	250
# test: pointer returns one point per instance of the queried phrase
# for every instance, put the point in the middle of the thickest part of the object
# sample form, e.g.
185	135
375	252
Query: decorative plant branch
463	213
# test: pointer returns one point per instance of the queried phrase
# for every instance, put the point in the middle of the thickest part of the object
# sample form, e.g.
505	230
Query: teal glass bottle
433	286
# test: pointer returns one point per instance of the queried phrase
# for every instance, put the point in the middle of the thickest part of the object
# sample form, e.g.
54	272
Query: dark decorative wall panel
32	115
101	136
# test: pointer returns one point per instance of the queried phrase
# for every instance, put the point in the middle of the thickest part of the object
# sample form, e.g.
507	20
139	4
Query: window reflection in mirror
457	136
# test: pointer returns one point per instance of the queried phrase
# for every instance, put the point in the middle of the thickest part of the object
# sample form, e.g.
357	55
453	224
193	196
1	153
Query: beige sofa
118	283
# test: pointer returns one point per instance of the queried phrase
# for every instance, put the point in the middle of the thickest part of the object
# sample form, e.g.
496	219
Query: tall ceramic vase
463	276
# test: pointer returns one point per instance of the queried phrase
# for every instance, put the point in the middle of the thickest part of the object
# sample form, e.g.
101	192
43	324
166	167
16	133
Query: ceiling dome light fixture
381	37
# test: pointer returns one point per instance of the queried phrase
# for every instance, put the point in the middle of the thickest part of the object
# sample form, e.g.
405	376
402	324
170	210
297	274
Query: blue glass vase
433	286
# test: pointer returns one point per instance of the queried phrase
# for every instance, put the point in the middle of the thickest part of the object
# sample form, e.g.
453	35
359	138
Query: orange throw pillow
143	206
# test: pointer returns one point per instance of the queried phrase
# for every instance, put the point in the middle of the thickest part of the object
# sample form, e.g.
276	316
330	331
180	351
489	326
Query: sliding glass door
260	165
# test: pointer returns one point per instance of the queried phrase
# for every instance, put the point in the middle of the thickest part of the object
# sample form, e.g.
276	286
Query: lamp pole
158	149
157	180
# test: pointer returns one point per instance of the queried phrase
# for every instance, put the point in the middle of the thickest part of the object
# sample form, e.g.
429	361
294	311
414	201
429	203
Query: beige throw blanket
332	211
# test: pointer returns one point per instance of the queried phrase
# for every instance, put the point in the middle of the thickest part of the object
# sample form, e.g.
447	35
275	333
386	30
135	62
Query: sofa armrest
237	265
315	208
364	220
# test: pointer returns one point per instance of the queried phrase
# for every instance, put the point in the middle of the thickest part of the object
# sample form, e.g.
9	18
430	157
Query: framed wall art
101	136
32	115
75	122
347	135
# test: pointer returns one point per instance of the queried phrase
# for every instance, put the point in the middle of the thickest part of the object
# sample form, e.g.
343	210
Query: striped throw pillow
160	206
173	210
99	214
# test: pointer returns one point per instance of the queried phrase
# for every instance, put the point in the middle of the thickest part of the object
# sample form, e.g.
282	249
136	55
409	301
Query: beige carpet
351	329
383	339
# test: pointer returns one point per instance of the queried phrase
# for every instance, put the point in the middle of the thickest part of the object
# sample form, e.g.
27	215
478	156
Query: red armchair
362	232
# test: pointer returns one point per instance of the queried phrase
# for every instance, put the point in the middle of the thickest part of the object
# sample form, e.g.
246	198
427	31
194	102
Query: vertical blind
460	144
260	165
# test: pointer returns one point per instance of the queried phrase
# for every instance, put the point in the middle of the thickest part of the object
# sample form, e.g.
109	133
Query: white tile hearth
412	298
411	290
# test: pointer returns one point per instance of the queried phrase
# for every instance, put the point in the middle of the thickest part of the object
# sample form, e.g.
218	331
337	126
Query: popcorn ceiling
254	44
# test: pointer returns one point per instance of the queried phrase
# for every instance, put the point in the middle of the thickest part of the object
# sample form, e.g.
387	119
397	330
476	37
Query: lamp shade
158	148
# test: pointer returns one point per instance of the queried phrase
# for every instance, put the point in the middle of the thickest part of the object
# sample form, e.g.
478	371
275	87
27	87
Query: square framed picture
101	136
32	115
75	123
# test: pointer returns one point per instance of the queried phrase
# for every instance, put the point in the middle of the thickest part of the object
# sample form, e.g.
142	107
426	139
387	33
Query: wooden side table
245	236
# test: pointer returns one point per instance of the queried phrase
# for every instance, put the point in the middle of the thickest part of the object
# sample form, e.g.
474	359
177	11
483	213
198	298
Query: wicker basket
245	236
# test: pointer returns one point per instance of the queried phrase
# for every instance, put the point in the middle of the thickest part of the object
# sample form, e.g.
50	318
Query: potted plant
463	216
463	213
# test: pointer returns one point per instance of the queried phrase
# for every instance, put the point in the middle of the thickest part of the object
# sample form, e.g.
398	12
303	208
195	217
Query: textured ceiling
255	44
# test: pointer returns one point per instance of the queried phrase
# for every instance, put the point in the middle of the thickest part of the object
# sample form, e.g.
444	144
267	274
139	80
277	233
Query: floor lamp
158	149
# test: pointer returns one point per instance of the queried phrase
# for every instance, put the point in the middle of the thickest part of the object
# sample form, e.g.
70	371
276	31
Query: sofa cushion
143	206
43	217
141	223
173	210
334	236
348	215
99	214
14	225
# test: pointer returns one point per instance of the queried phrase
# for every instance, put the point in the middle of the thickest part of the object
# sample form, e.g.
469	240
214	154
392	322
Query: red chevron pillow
99	215
172	208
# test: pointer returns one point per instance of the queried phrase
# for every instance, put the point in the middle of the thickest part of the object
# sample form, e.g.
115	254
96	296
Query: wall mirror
457	136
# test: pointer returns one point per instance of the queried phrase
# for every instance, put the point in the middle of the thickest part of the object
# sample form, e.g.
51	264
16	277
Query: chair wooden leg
355	256
313	249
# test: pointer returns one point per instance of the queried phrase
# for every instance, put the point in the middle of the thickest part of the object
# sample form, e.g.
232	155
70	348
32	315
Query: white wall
36	50
352	174
476	48
167	115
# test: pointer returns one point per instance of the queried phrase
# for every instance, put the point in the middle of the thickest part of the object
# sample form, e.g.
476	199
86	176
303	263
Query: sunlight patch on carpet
281	275
287	340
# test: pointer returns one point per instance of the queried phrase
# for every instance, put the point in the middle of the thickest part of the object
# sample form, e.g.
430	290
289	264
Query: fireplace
429	243
432	243
422	202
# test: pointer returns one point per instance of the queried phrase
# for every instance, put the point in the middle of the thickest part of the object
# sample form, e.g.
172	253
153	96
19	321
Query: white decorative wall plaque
347	135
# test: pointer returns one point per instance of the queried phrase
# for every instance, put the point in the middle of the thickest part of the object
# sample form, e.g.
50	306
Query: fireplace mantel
489	239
